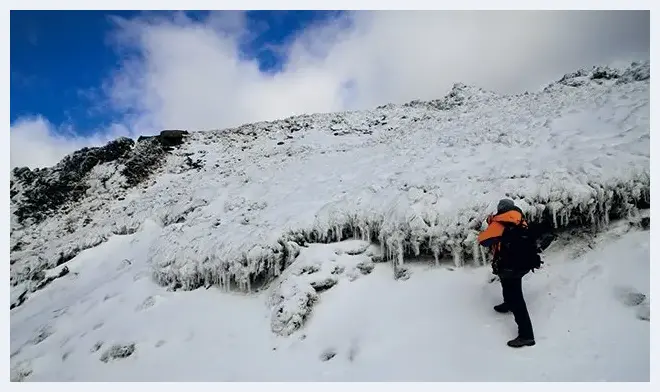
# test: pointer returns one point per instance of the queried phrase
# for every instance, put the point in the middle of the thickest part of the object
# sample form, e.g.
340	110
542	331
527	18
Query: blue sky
60	58
81	78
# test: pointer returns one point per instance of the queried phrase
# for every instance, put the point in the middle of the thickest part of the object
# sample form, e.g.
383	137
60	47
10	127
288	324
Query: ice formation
235	205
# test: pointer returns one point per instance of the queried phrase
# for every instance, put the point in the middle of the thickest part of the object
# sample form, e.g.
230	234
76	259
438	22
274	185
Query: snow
419	179
108	321
342	246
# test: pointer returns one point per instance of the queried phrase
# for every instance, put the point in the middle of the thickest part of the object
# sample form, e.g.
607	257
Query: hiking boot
501	308
520	342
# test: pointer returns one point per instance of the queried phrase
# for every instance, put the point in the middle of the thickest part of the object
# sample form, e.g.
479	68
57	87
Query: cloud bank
180	73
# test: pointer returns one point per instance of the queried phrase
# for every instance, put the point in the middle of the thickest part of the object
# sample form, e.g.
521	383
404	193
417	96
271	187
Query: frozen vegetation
235	206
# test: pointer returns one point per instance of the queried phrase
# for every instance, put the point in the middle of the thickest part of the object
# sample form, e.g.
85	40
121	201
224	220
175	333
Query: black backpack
518	249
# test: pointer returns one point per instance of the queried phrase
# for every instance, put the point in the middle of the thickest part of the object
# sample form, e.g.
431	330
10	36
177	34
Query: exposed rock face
45	191
637	71
170	138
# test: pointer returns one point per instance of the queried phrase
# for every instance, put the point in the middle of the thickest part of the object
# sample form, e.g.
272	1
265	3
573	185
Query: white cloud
189	74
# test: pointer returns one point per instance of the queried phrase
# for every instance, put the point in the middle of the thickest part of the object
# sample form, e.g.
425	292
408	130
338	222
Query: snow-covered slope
106	320
234	206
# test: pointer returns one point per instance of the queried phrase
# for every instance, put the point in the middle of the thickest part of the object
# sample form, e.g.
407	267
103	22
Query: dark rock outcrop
171	138
636	71
45	191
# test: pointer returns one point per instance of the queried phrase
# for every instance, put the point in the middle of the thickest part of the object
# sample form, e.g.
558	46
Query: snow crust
418	179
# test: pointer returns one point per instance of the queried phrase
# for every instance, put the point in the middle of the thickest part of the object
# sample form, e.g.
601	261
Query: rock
63	272
146	157
142	138
170	138
44	283
402	274
19	301
338	269
378	259
606	73
118	351
365	267
325	284
636	72
44	191
307	269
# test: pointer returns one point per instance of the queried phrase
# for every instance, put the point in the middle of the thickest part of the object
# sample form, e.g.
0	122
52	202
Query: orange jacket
493	232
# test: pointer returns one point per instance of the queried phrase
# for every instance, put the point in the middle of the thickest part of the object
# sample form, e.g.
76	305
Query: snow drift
235	205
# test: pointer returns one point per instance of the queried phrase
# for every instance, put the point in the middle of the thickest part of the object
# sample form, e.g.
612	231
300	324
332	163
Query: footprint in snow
42	334
96	347
328	354
147	303
15	353
629	296
118	351
124	264
21	371
632	298
110	296
59	312
140	276
353	350
97	326
644	312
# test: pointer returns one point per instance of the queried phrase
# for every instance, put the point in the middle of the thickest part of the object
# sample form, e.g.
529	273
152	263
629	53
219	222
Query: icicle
457	256
436	255
476	259
592	216
400	253
554	217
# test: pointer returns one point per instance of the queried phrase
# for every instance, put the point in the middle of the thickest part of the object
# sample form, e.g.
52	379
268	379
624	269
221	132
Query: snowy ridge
234	205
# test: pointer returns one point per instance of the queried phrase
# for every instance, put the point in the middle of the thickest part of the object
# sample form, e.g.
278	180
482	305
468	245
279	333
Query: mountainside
108	321
235	206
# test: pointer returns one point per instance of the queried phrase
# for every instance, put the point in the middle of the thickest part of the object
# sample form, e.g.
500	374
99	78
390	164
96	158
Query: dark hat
505	205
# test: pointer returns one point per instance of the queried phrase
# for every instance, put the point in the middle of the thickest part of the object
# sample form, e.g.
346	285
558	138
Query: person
510	264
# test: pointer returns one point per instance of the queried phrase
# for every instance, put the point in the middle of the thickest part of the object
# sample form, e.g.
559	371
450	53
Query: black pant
513	298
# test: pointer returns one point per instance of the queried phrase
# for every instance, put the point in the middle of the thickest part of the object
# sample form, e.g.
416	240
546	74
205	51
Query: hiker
514	255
